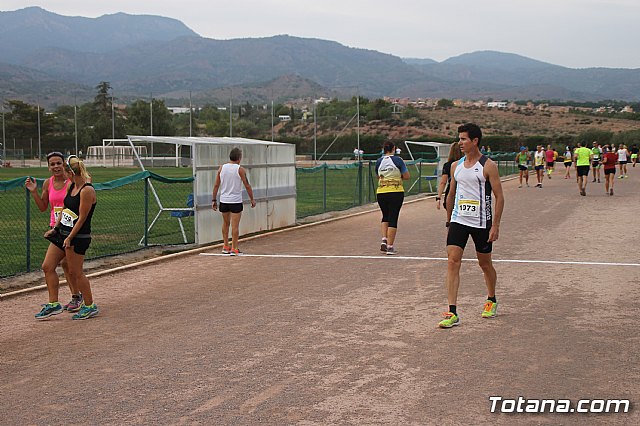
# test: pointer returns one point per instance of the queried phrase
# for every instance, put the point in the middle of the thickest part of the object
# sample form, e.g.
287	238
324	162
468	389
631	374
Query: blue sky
572	33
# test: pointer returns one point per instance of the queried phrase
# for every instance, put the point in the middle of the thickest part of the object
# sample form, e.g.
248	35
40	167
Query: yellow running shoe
450	320
490	309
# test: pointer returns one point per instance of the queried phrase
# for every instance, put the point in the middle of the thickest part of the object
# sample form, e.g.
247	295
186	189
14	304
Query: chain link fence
128	216
123	220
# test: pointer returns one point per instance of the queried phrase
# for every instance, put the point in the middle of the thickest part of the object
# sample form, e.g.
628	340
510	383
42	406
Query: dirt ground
207	339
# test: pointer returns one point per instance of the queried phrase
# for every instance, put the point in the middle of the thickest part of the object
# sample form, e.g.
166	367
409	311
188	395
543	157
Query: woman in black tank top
74	225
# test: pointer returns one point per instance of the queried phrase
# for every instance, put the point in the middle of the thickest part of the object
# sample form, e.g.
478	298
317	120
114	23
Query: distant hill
24	31
37	87
520	76
194	63
141	54
280	89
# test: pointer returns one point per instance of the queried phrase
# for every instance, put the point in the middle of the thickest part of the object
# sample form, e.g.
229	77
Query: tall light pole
4	142
315	130
231	114
358	122
272	117
190	116
39	139
113	118
75	122
151	124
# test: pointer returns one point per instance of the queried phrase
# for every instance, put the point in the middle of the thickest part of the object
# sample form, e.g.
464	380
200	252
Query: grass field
118	224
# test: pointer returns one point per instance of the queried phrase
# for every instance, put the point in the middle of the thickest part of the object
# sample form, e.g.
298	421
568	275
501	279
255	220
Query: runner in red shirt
609	161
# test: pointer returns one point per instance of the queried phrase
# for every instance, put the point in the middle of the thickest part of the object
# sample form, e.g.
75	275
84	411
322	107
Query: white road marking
314	256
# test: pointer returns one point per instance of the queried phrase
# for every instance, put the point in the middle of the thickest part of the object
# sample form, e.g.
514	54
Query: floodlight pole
39	139
151	125
315	132
231	114
113	118
272	117
75	122
358	121
190	114
4	142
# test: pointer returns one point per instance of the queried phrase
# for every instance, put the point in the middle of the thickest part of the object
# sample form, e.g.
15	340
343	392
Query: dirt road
341	340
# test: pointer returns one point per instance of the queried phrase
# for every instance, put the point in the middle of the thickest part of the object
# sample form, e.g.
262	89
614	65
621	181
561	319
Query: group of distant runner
606	157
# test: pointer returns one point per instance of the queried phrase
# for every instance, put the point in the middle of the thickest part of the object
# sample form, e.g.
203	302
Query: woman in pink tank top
54	190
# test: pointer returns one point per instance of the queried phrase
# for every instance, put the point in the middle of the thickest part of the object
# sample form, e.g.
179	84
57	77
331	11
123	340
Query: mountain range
55	58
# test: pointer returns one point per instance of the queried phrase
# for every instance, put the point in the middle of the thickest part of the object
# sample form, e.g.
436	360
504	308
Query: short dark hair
473	130
235	154
389	147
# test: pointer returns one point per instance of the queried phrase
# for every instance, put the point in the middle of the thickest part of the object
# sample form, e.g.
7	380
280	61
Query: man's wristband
214	200
437	198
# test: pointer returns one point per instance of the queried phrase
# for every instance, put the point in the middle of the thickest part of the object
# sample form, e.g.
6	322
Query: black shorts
231	207
523	168
540	167
568	163
610	171
80	244
583	170
622	162
459	234
595	163
550	163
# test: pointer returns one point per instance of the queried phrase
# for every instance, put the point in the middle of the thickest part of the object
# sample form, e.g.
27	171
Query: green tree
139	119
445	103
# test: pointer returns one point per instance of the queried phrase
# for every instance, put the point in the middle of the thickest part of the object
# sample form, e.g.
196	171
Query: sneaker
49	309
611	191
528	185
520	186
236	252
450	320
383	246
226	250
593	180
86	312
391	251
583	192
598	180
74	305
490	309
621	177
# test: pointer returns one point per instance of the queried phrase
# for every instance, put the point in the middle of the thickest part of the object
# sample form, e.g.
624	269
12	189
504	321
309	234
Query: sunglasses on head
55	154
69	161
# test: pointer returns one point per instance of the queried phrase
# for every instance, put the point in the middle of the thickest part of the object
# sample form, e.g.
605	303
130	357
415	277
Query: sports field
313	326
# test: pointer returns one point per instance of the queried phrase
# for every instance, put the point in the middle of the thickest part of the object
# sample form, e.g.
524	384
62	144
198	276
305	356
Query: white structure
110	154
496	104
271	170
442	151
284	117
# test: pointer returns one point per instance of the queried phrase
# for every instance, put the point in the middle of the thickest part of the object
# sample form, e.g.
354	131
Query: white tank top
622	155
472	205
230	184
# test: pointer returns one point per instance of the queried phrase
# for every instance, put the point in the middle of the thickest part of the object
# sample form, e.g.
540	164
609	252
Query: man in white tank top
473	178
229	181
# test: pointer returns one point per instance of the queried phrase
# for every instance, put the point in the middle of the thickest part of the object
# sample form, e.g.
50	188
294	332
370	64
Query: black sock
493	299
452	309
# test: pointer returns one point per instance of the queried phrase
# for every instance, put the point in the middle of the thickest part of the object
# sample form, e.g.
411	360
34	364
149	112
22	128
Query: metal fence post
324	188
146	212
28	230
420	177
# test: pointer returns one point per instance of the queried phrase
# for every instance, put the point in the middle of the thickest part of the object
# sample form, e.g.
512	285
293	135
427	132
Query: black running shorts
231	208
459	235
583	170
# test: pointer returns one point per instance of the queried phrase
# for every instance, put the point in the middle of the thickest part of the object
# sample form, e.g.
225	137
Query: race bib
56	212
469	208
68	218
